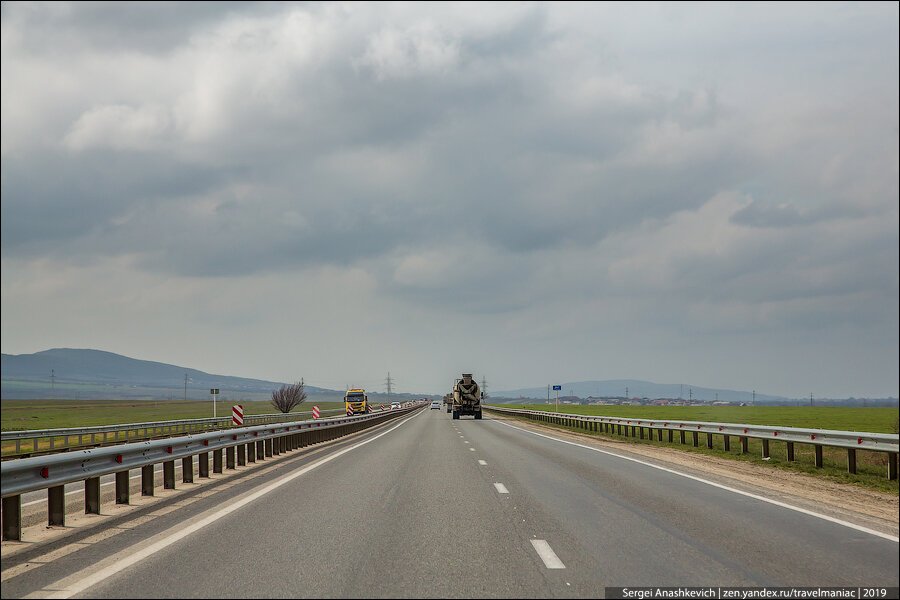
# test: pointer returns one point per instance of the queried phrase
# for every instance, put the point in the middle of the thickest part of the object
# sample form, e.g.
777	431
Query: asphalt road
426	506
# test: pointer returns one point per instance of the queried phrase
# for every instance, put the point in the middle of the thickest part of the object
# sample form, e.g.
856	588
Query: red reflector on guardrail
776	434
45	472
234	437
812	437
859	441
119	458
206	442
169	449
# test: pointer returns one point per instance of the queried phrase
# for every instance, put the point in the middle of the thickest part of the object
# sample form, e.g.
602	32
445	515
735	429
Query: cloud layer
531	192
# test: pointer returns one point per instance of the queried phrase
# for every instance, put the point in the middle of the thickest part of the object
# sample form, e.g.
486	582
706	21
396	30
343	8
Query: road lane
644	526
431	507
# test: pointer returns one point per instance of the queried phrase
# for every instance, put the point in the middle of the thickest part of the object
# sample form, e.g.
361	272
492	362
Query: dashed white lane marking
886	536
551	560
482	462
472	449
501	488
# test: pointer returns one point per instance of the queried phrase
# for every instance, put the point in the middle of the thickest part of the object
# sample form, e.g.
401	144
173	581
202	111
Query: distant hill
80	373
638	389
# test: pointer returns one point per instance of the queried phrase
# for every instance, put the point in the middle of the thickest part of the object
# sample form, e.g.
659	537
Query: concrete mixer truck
467	397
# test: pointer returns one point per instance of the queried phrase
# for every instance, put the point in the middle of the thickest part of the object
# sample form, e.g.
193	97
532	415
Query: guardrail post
744	442
56	506
203	464
727	439
790	451
276	446
241	455
92	496
641	432
765	449
123	488
268	447
261	449
818	456
12	518
229	457
659	435
147	483
709	441
217	460
892	465
169	475
682	436
851	461
187	469
671	434
696	440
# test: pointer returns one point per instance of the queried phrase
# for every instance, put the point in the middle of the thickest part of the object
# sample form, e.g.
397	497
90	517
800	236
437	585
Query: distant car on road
436	404
395	405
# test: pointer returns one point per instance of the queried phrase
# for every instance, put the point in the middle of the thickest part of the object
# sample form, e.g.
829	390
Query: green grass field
17	415
871	466
872	420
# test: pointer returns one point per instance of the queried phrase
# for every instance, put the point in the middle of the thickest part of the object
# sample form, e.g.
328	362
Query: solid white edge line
804	511
551	560
124	563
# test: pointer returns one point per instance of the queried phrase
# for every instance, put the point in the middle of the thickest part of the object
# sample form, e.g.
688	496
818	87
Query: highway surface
425	506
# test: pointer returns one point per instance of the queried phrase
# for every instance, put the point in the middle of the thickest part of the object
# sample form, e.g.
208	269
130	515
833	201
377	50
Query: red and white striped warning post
349	410
237	414
315	412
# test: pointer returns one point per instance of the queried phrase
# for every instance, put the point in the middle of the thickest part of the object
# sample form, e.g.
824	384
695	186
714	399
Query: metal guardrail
100	434
245	444
849	440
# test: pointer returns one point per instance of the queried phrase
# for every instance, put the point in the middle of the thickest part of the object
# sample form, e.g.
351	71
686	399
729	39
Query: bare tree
288	397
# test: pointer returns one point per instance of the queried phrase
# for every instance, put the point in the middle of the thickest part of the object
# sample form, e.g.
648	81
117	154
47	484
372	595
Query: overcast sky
534	193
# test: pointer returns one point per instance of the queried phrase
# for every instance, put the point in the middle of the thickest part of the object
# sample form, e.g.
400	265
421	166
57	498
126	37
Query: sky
534	193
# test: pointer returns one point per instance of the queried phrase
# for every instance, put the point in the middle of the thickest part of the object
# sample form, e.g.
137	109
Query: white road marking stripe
482	462
91	579
804	511
501	488
551	560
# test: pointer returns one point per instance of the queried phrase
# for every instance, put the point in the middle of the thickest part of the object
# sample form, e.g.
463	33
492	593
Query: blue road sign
557	387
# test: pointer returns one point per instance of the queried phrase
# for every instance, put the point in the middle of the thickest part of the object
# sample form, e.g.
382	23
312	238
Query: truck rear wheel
478	415
455	414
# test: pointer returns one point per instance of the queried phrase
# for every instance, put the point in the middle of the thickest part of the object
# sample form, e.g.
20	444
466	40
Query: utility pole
389	383
691	395
753	403
626	392
548	393
52	382
484	386
185	387
810	399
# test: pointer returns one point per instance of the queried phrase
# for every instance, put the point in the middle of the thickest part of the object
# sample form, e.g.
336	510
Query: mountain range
68	372
616	388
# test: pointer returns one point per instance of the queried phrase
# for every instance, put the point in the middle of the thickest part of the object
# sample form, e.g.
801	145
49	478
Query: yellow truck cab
356	402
